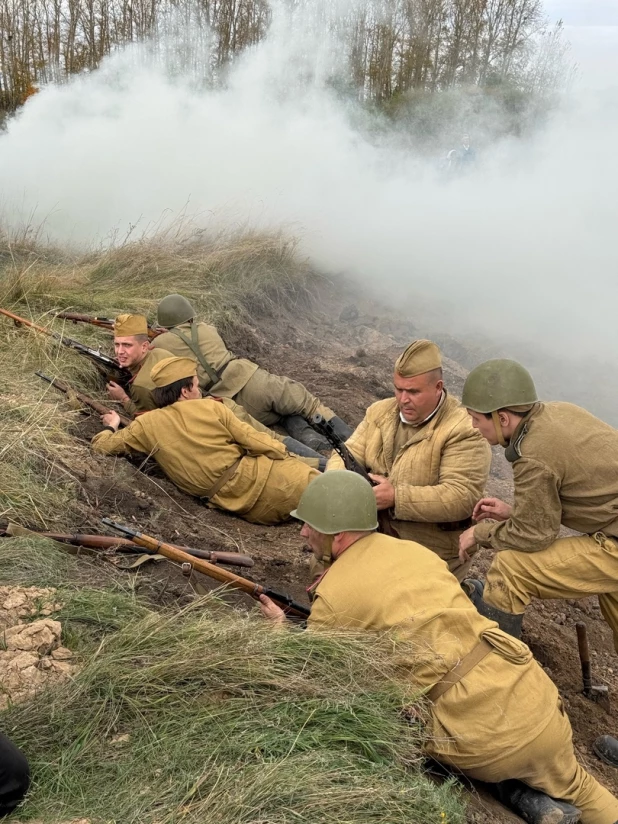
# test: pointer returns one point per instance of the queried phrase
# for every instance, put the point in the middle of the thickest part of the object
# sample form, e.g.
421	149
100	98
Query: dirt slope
342	347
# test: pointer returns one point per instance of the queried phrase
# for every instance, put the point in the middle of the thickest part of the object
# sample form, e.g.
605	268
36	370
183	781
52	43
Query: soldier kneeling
495	714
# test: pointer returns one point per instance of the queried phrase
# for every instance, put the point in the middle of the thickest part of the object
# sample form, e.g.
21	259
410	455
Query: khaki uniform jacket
141	385
565	468
235	372
194	442
382	584
438	475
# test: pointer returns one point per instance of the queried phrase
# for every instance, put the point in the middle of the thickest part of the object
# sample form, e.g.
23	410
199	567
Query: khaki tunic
235	372
564	466
499	714
141	387
439	472
564	469
266	397
194	442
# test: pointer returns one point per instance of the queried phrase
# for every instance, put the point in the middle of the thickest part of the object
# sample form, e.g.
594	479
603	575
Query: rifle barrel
108	542
206	568
104	323
82	398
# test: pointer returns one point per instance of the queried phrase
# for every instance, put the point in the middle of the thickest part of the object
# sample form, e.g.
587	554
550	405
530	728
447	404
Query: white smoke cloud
521	247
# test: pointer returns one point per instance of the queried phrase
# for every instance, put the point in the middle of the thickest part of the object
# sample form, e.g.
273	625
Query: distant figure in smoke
466	155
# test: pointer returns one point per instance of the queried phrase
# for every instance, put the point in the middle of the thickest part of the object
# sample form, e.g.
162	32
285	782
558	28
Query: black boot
534	806
300	430
298	448
606	747
341	429
507	621
14	776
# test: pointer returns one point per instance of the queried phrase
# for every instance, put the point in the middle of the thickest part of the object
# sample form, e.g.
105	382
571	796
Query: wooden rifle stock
82	398
324	427
109	367
222	575
104	323
108	542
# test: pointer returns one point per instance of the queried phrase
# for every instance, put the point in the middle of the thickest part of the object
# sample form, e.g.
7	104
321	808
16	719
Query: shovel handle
584	654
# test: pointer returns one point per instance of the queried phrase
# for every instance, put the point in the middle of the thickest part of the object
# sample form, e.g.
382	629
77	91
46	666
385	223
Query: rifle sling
468	662
221	481
194	346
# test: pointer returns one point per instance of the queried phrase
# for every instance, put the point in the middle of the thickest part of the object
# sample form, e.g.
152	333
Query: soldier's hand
466	542
492	508
111	419
116	392
384	491
271	611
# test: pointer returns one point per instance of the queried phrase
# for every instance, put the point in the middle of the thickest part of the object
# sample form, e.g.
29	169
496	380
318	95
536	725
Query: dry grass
227	276
210	716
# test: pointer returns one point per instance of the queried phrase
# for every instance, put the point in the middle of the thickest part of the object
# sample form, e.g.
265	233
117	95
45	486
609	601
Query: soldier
564	468
206	451
132	348
268	398
494	714
14	776
430	466
132	351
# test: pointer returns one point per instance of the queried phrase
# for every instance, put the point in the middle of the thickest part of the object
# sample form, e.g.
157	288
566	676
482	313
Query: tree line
392	46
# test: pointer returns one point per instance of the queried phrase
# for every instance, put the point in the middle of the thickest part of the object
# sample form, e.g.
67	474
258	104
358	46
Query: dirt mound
32	656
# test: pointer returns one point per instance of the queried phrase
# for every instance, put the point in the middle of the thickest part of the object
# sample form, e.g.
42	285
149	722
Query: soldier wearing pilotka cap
207	451
133	352
429	464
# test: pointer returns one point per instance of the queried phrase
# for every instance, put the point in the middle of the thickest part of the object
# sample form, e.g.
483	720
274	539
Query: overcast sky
592	28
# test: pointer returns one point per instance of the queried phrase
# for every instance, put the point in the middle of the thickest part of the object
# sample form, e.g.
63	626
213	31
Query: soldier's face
315	540
417	397
485	426
130	351
194	393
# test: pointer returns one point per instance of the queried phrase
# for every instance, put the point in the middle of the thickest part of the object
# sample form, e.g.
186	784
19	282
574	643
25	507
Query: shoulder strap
193	345
221	481
468	662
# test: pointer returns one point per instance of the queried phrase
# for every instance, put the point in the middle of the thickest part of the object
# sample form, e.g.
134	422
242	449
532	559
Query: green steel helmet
174	310
498	384
338	501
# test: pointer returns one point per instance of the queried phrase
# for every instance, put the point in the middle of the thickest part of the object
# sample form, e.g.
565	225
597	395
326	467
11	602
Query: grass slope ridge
210	715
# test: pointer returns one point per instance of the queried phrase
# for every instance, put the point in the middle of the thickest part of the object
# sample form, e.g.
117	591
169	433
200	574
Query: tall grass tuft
213	716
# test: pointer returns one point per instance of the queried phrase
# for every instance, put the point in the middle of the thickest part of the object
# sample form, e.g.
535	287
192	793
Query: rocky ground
342	347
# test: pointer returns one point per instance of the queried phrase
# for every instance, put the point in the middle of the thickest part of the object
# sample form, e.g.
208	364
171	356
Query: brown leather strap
222	480
455	526
455	675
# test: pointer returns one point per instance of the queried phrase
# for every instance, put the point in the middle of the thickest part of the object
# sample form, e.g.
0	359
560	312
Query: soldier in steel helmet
428	463
268	398
207	451
564	469
494	713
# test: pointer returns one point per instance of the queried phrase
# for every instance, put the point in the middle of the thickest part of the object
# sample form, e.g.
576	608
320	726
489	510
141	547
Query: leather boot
300	430
298	448
341	429
507	621
606	748
534	806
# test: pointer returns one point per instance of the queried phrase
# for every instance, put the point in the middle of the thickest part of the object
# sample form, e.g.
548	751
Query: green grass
211	715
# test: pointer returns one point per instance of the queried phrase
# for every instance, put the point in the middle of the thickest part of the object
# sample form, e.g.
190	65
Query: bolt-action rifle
125	545
290	607
103	323
109	367
325	428
81	397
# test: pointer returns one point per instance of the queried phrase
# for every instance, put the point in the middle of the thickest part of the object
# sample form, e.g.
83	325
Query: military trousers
272	397
569	568
548	764
14	776
287	480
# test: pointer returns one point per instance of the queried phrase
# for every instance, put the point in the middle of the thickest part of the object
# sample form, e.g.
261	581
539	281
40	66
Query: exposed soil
342	347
